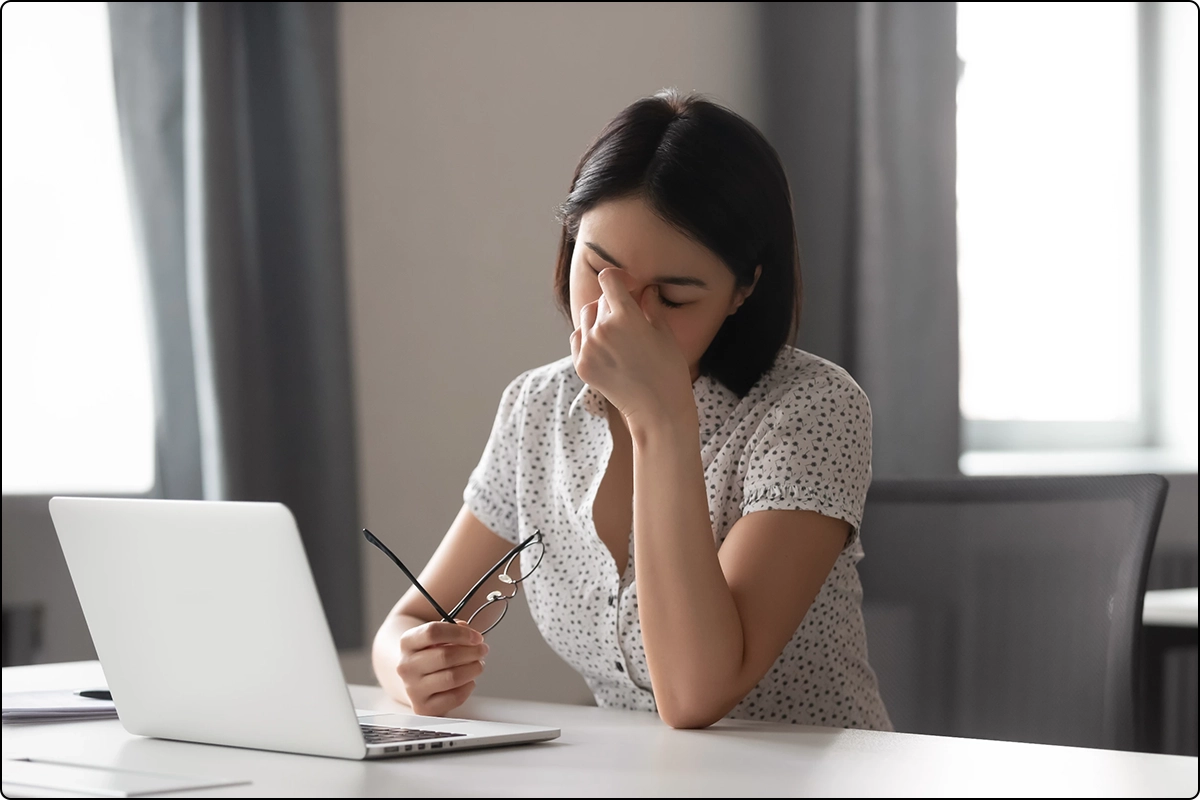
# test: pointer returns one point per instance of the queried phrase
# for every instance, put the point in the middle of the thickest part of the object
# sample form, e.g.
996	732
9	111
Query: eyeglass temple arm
487	575
375	541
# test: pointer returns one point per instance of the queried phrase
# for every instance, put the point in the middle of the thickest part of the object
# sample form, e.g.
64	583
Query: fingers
439	663
442	703
594	317
432	692
447	680
436	704
615	291
587	318
652	304
440	658
435	633
588	315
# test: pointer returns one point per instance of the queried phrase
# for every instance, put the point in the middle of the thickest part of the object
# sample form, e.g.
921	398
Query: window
1178	145
78	413
1077	281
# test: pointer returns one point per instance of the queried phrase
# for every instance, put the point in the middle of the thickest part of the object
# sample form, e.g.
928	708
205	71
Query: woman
683	437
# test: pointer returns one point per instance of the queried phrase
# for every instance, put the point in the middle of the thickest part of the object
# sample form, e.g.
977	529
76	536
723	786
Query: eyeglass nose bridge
508	580
515	562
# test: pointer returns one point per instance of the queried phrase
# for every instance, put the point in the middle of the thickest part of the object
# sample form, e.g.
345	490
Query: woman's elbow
691	716
685	723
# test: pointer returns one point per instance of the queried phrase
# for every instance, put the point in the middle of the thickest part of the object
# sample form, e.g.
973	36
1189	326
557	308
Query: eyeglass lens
518	569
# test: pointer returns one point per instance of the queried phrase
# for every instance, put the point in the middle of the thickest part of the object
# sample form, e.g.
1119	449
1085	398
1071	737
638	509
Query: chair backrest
1010	608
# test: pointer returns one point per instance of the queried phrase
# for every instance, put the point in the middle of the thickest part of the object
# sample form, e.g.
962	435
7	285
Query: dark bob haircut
712	175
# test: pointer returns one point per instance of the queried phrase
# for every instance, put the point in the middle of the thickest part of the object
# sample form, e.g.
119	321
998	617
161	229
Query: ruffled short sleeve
813	452
491	492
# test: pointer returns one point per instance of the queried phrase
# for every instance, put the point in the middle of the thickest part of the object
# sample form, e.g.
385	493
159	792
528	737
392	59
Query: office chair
1010	608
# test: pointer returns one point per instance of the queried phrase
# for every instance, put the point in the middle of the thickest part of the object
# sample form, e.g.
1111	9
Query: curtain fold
229	124
147	43
860	103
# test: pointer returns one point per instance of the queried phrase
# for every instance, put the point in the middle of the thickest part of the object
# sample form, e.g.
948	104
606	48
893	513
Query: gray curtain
860	104
229	125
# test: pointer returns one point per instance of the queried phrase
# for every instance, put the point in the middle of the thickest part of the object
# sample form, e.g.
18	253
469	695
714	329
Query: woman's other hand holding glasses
439	663
440	660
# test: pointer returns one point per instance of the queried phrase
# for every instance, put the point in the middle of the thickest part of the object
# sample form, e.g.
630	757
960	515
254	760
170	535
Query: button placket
621	663
615	600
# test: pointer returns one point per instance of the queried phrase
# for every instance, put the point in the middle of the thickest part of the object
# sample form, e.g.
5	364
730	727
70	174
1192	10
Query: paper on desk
57	706
24	774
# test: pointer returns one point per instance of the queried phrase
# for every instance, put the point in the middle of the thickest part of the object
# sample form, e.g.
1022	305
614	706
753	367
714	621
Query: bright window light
1048	212
78	412
1178	147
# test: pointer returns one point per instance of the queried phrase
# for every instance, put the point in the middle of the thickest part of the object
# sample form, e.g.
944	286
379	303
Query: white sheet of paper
98	781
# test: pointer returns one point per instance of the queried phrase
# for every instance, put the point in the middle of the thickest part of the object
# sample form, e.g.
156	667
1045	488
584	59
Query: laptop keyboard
376	734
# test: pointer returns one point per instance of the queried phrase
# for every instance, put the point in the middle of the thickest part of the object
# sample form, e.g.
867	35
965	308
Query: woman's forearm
385	654
690	624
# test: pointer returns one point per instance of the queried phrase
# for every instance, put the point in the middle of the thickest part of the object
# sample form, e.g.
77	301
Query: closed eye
661	299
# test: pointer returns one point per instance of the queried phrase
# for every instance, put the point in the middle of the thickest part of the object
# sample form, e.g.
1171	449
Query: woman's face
697	290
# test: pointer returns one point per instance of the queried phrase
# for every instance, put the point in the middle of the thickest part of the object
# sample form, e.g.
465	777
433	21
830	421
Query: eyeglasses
493	610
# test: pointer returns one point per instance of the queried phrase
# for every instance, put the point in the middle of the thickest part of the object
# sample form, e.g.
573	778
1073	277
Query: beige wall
461	126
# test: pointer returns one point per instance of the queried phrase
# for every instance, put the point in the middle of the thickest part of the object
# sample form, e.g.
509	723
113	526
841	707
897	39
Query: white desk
1175	608
604	752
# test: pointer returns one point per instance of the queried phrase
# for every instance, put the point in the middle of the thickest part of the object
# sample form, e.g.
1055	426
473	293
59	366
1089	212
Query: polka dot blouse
801	439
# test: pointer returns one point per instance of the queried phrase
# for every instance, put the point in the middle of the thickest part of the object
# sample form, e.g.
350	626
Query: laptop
207	622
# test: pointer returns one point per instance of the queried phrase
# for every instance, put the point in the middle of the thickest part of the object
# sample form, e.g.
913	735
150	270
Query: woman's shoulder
802	375
552	381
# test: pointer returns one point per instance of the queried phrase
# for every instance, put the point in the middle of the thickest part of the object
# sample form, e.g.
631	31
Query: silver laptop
207	623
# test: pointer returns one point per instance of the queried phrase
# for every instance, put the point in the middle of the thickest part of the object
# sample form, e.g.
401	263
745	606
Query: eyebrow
671	280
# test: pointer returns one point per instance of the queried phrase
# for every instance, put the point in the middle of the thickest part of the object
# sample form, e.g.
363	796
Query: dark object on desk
96	694
57	706
1010	608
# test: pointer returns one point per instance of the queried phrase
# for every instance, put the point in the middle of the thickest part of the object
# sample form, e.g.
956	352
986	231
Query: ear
743	293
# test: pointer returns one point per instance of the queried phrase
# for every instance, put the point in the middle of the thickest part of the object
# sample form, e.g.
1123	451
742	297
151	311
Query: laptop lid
206	620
